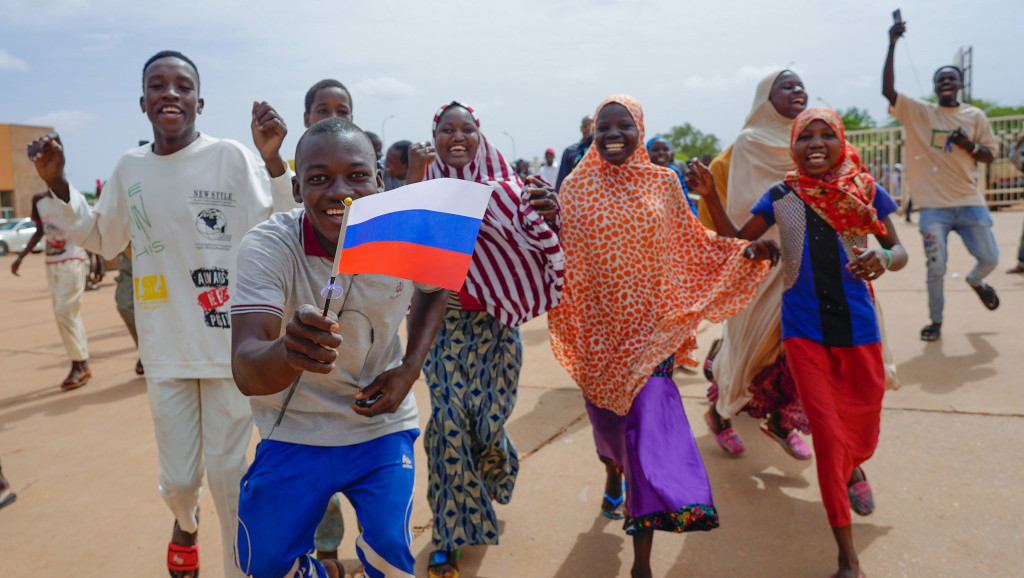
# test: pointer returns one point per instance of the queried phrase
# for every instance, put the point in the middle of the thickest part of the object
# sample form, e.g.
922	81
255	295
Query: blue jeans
974	225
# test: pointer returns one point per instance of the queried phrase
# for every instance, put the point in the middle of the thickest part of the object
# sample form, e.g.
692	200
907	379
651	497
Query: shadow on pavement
938	373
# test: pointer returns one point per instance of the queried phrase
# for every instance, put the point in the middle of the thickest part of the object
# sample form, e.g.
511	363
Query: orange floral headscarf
843	196
641	273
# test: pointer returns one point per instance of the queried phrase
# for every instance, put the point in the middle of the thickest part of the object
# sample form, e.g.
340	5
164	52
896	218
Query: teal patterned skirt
472	370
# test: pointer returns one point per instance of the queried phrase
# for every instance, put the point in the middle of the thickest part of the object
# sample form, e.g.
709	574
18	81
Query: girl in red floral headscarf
825	210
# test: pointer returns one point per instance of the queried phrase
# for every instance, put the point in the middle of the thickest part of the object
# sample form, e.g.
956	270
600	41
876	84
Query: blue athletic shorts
286	490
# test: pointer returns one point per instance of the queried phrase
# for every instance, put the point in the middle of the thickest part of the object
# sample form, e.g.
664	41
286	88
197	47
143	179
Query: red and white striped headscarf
518	263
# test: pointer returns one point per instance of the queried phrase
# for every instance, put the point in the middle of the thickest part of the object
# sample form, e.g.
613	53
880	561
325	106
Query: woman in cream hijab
750	371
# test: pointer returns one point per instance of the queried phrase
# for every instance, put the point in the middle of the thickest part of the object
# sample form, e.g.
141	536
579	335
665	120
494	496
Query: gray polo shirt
281	266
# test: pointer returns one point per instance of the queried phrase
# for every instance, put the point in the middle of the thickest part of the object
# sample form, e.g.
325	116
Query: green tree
856	118
688	142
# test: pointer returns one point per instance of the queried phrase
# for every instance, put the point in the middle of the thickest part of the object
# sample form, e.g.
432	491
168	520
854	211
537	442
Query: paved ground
945	475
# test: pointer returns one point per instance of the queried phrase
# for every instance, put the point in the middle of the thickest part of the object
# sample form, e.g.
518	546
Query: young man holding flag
329	432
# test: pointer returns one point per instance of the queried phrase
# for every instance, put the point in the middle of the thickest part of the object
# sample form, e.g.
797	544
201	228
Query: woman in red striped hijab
473	366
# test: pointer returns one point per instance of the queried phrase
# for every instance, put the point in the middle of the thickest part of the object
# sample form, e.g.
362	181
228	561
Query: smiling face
329	102
947	85
660	152
329	168
171	101
615	134
817	148
457	137
787	94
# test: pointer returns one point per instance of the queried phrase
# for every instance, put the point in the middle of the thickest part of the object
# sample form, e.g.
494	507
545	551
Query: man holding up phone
944	141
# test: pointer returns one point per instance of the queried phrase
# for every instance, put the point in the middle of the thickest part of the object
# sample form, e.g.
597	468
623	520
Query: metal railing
1002	182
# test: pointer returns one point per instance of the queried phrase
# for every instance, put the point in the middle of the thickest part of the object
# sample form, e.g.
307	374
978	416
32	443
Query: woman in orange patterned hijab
641	273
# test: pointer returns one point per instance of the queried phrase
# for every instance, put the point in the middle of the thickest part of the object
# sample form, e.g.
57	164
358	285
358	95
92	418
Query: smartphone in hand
897	17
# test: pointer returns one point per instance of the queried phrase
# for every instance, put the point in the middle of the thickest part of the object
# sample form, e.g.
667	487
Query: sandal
69	383
727	439
182	560
862	501
987	295
792	443
618	505
709	361
442	559
931	332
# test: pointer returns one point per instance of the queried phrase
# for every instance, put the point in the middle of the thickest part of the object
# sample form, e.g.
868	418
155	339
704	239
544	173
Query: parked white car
15	234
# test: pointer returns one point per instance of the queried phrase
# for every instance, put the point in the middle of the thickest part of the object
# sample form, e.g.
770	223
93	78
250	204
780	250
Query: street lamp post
383	140
514	156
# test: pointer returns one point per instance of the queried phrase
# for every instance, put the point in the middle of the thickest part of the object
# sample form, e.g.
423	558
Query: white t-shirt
282	266
185	215
58	247
937	177
549	172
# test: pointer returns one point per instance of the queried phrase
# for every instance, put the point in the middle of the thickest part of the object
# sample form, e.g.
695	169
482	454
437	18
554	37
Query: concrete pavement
85	468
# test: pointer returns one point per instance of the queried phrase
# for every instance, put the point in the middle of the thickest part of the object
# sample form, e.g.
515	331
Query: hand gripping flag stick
330	291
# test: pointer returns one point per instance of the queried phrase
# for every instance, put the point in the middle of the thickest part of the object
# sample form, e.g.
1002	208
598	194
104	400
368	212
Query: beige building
18	178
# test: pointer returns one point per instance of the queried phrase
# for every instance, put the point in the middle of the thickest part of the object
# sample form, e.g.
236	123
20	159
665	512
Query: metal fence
1002	182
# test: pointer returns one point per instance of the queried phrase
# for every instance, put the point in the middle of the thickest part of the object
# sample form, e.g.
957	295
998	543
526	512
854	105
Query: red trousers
841	390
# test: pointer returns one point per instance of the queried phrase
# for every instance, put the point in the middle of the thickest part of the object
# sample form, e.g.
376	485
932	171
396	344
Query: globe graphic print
211	223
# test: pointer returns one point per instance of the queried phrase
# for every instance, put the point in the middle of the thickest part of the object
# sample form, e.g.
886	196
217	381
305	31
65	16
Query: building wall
17	173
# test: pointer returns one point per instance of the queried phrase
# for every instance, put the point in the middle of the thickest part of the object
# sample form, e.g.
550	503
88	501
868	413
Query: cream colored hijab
760	155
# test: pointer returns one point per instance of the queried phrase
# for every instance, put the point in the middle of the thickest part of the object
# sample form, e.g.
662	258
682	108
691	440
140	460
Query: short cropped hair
334	125
402	147
955	69
325	83
168	54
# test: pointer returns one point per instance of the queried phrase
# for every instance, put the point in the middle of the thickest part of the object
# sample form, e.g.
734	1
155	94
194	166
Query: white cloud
64	120
383	88
8	62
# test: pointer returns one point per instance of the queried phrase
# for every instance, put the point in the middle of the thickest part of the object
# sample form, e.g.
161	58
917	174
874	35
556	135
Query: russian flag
423	232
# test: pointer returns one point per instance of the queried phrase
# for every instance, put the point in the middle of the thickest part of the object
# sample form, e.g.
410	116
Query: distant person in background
66	271
378	148
522	168
1017	156
705	159
549	168
574	152
396	165
124	298
660	151
7	497
944	141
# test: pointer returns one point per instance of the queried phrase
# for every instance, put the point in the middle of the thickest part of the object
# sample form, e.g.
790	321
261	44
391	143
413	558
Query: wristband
974	149
888	266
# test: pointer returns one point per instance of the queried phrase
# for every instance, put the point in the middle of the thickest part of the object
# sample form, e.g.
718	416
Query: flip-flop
727	439
69	384
441	558
614	513
7	497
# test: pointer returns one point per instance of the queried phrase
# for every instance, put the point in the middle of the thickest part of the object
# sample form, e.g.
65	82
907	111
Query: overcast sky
531	68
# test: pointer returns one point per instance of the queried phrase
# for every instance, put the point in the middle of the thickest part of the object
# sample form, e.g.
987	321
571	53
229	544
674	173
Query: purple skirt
667	486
